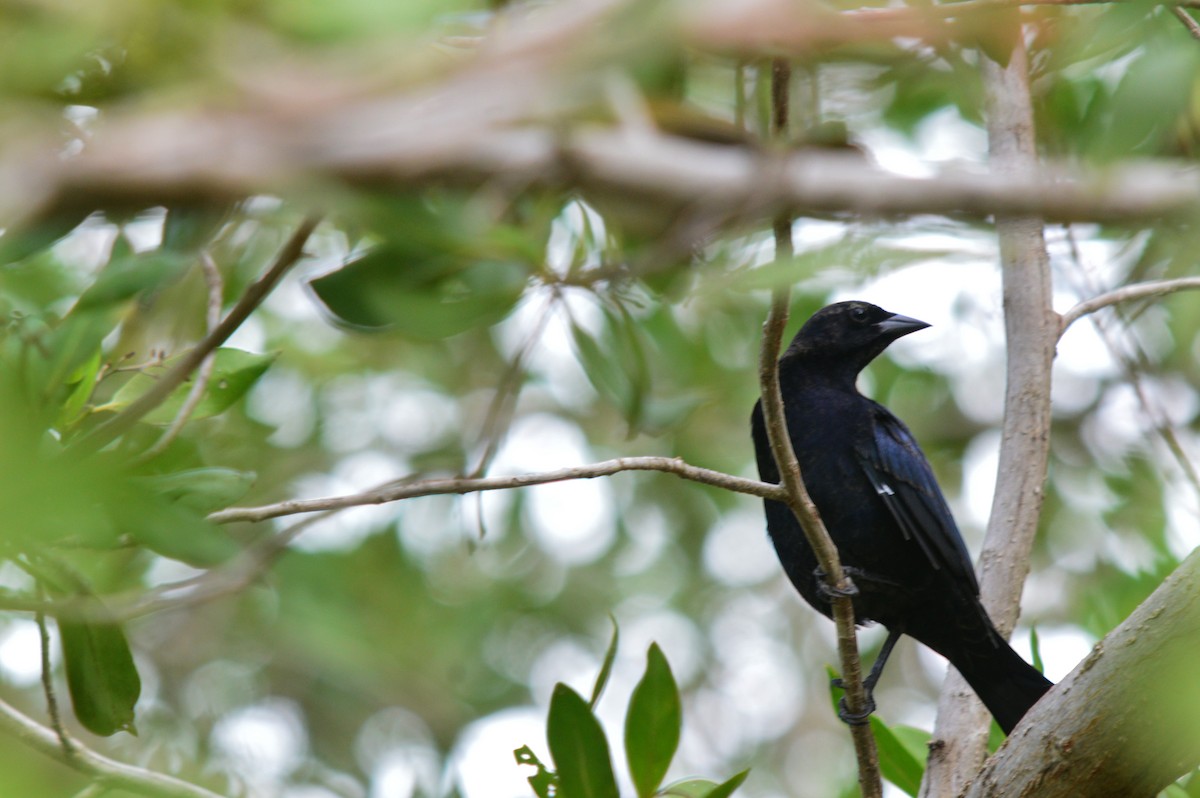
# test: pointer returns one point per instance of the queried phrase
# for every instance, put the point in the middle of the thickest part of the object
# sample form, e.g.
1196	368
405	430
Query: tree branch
1031	330
1126	293
797	498
292	251
1188	21
1124	721
435	487
791	480
110	772
152	157
216	289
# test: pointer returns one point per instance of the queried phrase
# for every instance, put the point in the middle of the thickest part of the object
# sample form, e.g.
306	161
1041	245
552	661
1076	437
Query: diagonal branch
1188	21
292	251
1126	293
107	771
216	288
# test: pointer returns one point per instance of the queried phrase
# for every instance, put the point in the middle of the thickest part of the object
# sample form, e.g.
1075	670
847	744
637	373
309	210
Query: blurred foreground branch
143	161
109	772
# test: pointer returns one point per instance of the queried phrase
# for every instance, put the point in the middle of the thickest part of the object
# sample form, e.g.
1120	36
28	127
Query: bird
879	500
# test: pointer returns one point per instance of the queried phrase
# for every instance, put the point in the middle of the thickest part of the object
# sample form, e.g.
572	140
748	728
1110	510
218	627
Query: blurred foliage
498	330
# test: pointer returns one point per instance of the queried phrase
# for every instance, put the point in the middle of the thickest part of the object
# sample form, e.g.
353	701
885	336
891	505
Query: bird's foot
855	718
835	591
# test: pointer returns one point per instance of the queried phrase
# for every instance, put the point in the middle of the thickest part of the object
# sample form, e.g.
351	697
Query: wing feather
904	480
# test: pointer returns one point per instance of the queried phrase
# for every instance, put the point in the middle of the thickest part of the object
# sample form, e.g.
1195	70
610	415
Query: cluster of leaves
580	749
82	526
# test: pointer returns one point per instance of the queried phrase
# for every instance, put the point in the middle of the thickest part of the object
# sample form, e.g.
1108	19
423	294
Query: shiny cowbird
882	506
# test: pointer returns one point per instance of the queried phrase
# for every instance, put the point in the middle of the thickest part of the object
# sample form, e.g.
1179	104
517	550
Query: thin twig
969	7
252	562
1136	364
436	487
508	389
83	759
292	251
1188	21
802	505
1126	293
216	292
791	480
48	679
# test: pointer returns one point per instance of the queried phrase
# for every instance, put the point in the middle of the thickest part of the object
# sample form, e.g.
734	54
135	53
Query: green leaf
174	531
422	295
689	788
234	373
902	752
72	343
101	676
202	489
703	788
727	787
189	228
84	380
544	782
19	243
1035	647
129	274
579	748
610	656
616	363
653	724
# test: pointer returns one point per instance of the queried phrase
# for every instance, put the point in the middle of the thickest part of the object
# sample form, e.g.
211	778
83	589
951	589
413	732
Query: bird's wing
902	477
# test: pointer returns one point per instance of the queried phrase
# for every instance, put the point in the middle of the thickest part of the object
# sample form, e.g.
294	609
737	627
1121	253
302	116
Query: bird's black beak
898	326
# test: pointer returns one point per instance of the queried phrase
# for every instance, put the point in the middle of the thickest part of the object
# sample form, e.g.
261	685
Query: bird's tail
1006	684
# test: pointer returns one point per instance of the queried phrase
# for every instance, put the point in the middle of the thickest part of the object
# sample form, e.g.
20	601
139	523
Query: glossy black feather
882	505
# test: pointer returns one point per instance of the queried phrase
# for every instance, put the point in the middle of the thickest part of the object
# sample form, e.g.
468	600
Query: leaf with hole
544	782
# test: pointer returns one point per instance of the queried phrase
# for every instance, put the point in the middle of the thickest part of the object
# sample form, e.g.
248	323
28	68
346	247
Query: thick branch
1124	721
1031	330
155	158
1126	293
110	772
107	432
434	487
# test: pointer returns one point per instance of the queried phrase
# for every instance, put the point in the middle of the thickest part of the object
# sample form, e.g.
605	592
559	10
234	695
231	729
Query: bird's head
849	335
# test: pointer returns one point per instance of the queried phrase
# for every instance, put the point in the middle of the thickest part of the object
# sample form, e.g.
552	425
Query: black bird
882	506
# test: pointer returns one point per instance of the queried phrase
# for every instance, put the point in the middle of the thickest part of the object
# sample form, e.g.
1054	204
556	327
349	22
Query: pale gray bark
1124	722
1031	329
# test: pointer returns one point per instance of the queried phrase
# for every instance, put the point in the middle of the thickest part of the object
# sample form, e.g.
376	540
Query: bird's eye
858	314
